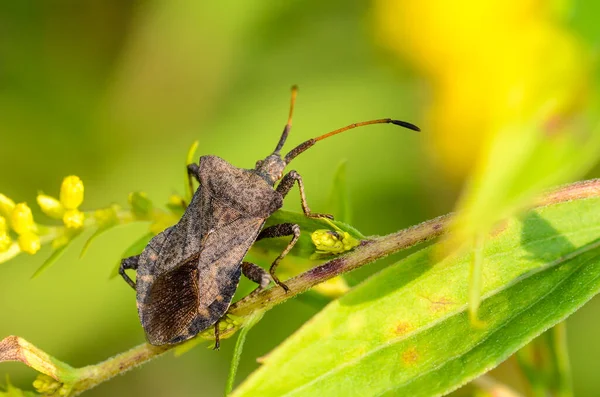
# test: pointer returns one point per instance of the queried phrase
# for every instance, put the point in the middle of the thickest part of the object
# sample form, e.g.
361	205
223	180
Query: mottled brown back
188	274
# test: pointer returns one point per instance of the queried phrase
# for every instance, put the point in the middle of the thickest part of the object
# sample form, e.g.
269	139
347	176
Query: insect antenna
288	126
305	145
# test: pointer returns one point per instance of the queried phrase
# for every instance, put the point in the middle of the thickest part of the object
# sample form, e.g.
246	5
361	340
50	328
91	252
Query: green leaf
239	347
101	230
56	254
134	249
406	331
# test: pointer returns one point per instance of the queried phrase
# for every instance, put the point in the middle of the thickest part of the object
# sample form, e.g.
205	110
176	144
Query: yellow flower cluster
66	209
21	221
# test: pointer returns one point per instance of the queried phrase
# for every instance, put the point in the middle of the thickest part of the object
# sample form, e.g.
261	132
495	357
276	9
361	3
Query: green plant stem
92	375
561	358
368	251
545	364
239	347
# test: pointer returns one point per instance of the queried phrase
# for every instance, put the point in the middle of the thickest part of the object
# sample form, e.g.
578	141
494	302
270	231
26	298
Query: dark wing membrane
171	305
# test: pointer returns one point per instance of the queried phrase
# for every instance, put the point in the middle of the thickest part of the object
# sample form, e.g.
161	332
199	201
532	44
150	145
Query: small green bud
141	206
46	385
107	216
333	242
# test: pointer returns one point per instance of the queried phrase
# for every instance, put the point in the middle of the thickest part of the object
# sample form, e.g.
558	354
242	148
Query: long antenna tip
405	125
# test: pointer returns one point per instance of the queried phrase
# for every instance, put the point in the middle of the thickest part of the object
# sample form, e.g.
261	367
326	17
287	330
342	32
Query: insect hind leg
129	263
257	274
281	230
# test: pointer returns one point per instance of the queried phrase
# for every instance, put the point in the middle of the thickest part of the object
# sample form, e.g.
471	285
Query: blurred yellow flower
21	219
71	192
5	240
73	219
489	63
50	206
29	242
511	100
6	206
71	197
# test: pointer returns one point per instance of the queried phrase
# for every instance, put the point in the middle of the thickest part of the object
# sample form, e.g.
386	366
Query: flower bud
5	242
21	219
50	206
73	219
6	205
29	242
141	206
330	242
46	385
71	192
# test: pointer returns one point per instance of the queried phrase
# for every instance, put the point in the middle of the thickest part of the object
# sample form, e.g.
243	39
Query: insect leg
257	274
286	184
217	338
129	263
193	170
281	230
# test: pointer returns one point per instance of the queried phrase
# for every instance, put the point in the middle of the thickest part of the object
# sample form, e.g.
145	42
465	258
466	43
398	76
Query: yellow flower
29	242
5	240
21	219
6	205
71	192
73	219
50	206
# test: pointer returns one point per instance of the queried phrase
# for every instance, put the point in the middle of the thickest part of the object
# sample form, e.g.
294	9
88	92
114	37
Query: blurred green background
115	91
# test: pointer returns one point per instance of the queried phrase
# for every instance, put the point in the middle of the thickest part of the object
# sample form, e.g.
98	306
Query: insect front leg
193	170
129	263
286	184
281	230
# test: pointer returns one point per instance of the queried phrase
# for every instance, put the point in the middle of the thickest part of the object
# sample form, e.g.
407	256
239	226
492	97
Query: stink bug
187	274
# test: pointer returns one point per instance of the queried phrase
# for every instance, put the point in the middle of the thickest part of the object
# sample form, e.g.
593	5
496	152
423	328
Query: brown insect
187	275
